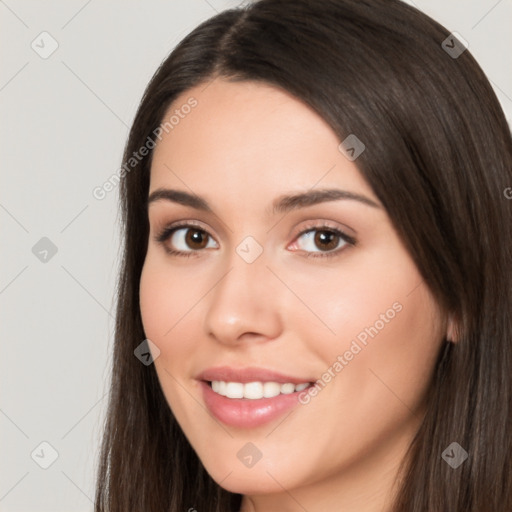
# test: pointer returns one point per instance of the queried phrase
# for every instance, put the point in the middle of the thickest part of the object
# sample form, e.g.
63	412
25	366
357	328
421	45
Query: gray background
65	119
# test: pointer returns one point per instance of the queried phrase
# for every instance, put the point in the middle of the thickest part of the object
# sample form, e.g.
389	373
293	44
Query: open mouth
251	404
256	390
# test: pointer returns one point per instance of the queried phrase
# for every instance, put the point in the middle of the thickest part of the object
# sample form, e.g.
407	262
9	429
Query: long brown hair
439	158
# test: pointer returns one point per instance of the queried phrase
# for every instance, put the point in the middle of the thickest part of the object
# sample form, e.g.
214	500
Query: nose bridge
245	299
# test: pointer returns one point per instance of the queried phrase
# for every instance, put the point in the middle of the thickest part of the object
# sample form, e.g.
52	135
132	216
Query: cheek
165	304
359	300
378	332
164	298
155	303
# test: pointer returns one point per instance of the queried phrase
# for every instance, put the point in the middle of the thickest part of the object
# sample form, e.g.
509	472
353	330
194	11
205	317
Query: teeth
288	388
255	390
252	390
234	390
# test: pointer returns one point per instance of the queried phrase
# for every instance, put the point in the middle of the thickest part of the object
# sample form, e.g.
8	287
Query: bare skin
244	145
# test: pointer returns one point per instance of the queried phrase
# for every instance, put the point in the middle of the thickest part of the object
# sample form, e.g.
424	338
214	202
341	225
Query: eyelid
323	223
163	231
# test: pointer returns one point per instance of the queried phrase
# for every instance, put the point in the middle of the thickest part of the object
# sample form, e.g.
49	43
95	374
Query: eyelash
167	232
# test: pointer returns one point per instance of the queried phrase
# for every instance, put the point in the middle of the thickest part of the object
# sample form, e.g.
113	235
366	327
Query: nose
244	304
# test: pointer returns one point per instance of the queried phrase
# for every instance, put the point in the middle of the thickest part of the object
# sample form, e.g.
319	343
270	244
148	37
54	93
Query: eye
331	241
185	239
188	239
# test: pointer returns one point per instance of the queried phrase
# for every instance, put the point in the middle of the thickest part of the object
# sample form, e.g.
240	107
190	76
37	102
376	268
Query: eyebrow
282	204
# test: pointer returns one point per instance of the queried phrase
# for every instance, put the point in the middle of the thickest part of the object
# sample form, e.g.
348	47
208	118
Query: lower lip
244	412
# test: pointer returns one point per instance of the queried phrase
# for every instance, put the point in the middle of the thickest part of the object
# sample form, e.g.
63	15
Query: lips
249	374
243	412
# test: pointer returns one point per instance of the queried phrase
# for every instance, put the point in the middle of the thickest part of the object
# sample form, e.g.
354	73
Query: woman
314	301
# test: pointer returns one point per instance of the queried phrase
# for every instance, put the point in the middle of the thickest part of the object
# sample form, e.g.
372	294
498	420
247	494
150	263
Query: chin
250	484
242	480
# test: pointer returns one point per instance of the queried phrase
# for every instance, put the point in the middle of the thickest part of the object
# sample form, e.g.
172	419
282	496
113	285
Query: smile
255	390
247	406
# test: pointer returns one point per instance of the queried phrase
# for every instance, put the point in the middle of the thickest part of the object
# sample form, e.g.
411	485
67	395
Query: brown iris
196	236
321	237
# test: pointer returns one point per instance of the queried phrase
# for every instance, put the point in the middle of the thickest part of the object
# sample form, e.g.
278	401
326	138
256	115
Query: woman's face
280	290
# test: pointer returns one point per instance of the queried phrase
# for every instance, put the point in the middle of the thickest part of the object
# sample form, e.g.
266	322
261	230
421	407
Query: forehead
248	138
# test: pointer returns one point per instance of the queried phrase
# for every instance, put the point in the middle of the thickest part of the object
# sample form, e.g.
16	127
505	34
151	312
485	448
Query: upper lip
248	374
